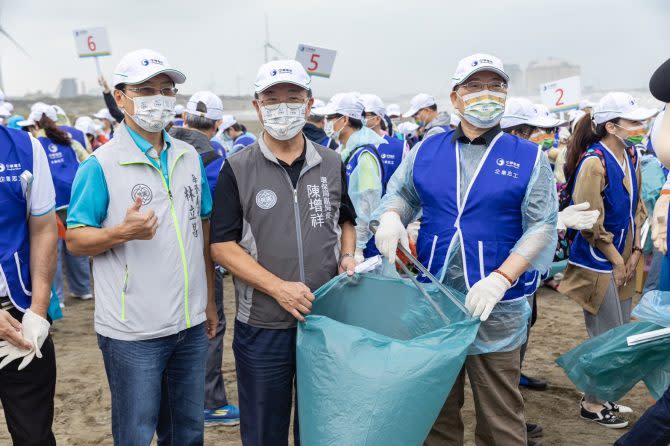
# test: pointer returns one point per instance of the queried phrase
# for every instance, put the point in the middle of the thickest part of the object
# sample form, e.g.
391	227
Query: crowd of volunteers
496	198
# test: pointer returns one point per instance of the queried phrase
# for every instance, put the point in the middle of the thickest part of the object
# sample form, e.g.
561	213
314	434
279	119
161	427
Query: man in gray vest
140	207
283	225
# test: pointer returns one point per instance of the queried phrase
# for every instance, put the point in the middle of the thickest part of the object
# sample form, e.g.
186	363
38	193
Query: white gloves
577	217
35	330
413	230
485	294
388	233
659	224
358	256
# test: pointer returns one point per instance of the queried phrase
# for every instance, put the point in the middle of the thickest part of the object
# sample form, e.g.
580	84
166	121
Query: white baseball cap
373	104
179	109
104	113
328	109
393	111
9	106
585	103
213	105
349	104
620	105
282	71
574	116
475	63
226	122
421	100
40	108
546	119
407	128
5	112
318	108
141	65
86	125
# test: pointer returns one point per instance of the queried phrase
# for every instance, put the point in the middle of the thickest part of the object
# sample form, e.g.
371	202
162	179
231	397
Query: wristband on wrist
637	248
511	282
665	192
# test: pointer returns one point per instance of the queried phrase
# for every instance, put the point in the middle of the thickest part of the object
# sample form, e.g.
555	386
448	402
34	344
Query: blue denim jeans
653	427
78	273
157	385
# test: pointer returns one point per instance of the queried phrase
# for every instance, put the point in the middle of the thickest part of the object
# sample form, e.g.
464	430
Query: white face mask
153	113
284	121
329	128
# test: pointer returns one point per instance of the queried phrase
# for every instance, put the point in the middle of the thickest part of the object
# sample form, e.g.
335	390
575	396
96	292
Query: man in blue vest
489	210
391	153
27	265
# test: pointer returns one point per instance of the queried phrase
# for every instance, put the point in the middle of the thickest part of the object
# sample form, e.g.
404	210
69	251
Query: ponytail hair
585	134
53	132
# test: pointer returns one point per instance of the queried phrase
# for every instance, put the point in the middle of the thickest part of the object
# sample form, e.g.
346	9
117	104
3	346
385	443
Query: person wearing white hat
489	209
423	109
140	207
178	120
586	106
393	152
92	130
65	155
603	169
107	121
393	111
315	124
201	118
235	135
359	148
283	226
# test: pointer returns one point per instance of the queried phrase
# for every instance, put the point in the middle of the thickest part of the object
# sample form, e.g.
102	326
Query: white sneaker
614	407
87	296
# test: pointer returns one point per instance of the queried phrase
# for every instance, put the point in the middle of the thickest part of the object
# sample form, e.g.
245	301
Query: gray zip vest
146	289
293	233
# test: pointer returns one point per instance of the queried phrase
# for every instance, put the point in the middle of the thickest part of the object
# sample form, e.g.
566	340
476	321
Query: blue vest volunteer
391	156
620	205
63	164
350	164
15	159
75	134
325	142
495	195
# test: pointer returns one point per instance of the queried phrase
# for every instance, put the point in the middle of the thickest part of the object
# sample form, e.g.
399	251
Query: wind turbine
4	32
267	45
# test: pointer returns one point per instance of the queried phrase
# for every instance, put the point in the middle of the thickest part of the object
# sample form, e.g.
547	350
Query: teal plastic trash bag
654	307
375	362
608	368
54	311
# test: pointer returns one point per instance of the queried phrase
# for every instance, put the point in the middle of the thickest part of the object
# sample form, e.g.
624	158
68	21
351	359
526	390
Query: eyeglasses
292	103
480	86
151	91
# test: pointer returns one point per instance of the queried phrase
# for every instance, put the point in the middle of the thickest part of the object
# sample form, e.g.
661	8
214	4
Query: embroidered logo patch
266	199
143	191
53	148
2	167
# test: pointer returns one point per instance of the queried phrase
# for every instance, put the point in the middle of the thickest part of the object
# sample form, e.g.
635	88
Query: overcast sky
392	47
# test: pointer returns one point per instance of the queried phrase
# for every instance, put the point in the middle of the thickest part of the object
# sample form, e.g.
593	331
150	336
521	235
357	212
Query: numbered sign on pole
317	61
563	94
92	42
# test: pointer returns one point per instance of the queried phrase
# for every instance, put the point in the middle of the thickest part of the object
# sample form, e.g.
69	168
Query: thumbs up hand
139	225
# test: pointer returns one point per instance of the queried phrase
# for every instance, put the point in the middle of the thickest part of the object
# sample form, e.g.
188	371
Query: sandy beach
83	403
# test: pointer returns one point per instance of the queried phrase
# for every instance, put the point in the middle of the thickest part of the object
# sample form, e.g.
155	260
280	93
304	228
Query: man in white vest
140	207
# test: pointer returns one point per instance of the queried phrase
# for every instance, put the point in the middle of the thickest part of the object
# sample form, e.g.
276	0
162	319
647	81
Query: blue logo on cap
474	63
273	73
145	62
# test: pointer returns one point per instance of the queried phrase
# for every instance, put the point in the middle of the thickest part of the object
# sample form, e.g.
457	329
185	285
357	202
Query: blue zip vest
325	142
75	134
351	164
63	165
16	156
620	206
391	156
489	217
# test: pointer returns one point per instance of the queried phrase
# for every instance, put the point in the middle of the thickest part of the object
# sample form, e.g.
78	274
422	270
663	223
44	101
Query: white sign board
92	42
563	94
317	61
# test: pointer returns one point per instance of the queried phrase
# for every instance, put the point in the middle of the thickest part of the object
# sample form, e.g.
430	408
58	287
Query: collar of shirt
145	146
484	139
299	160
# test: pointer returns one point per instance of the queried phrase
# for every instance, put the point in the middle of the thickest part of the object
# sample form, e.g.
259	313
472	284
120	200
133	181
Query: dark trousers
653	428
265	363
215	389
532	301
28	397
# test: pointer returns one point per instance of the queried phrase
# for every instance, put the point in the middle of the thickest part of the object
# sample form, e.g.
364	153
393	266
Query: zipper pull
170	194
295	195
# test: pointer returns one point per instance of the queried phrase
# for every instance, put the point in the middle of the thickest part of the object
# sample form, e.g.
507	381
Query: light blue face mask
226	137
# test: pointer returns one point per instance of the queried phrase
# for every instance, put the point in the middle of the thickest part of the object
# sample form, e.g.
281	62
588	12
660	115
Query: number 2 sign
561	95
92	42
317	61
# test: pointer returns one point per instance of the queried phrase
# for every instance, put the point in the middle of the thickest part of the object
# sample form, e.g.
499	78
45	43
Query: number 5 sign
561	95
317	61
92	42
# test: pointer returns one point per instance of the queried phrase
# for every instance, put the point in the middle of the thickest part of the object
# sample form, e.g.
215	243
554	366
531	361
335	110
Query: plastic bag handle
374	224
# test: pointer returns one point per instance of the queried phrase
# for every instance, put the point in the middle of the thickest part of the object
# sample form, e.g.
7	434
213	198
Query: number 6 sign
317	61
92	42
561	95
